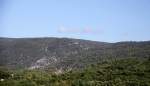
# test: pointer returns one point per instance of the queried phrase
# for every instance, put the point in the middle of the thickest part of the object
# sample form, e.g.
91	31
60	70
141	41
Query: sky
98	20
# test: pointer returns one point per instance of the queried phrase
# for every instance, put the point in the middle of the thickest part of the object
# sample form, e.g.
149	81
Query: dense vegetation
64	53
73	62
119	72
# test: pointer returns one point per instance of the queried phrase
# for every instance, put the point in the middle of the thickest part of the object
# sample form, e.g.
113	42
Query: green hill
122	72
63	54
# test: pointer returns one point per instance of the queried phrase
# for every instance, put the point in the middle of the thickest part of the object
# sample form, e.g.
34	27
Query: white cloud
86	30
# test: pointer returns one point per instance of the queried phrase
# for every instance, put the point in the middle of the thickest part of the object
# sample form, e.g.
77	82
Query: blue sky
100	20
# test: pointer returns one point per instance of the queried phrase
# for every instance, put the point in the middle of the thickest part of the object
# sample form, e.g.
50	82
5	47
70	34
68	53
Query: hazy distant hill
64	53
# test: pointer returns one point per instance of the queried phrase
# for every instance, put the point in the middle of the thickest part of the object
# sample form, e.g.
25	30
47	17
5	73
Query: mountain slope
63	53
122	72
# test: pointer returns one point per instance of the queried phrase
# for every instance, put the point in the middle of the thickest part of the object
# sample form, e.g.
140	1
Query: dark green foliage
4	73
119	72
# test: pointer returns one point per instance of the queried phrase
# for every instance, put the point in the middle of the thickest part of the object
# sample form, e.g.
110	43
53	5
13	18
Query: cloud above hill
84	30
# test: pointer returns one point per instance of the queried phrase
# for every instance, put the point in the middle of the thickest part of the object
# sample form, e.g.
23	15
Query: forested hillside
64	54
73	62
121	72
